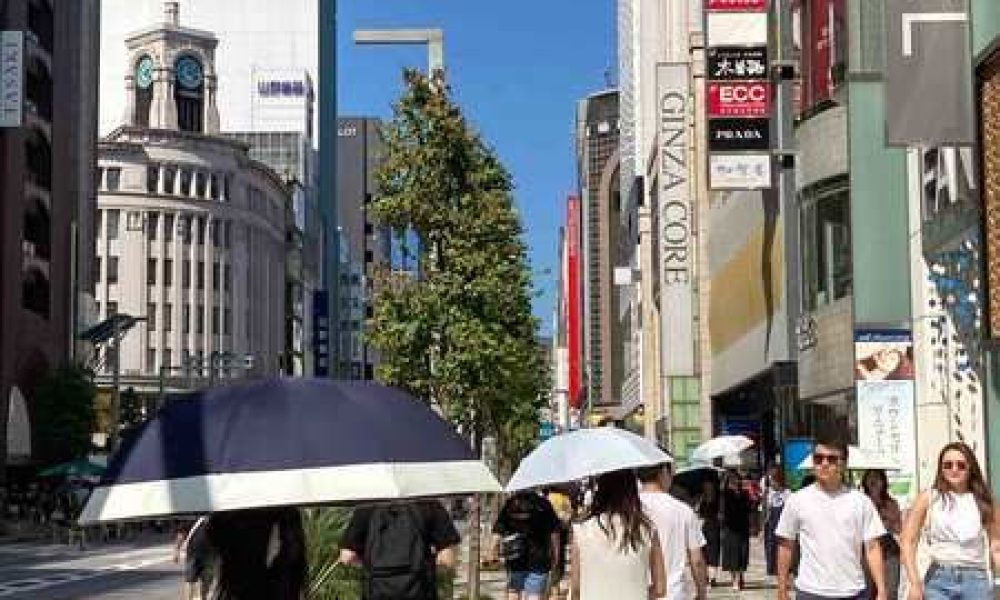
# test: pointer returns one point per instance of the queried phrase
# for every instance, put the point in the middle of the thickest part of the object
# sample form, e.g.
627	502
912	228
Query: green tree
461	334
62	415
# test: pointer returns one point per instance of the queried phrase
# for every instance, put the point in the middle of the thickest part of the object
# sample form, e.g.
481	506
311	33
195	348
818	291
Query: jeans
957	583
531	582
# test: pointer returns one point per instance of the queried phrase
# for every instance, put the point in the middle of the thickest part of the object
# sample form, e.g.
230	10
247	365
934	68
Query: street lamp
432	38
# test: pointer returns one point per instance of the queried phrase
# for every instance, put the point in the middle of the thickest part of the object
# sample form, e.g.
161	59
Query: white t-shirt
831	529
679	532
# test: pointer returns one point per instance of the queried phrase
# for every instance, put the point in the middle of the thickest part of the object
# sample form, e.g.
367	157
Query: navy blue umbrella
282	442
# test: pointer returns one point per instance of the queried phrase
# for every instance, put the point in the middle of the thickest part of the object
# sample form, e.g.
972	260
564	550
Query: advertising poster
739	99
11	78
883	371
738	5
739	134
796	450
736	62
737	29
739	171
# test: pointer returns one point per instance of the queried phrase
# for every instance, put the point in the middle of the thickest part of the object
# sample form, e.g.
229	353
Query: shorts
531	582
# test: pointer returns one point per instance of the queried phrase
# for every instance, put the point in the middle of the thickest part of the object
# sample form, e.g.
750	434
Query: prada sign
739	134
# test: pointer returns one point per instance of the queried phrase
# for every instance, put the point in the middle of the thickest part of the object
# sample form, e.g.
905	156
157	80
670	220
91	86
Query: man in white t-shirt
680	535
833	525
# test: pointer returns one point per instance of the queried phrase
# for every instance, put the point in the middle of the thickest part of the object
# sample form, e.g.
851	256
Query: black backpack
397	557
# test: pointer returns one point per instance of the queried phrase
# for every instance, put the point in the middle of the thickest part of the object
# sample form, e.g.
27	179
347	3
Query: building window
151	360
227	278
200	320
99	178
186	319
227	321
826	243
114	179
152	224
112	269
214	233
185	182
97	269
168	319
199	227
151	316
186	274
112	310
167	359
213	187
168	272
215	277
200	184
151	271
111	218
227	231
201	275
153	179
184	229
215	320
168	227
169	180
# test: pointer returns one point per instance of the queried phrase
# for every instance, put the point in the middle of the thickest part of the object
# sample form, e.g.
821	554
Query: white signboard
11	78
739	171
737	29
675	220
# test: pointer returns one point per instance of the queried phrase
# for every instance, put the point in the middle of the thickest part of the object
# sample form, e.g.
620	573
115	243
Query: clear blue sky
518	68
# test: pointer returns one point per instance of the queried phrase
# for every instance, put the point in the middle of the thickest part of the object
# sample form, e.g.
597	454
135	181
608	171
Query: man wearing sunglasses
837	527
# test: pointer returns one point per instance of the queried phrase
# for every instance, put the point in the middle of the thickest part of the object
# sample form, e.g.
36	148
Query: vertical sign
675	210
321	334
11	78
883	372
928	73
572	295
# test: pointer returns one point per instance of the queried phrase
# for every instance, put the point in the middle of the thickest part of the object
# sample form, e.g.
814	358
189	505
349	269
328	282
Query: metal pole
161	384
211	367
115	392
649	374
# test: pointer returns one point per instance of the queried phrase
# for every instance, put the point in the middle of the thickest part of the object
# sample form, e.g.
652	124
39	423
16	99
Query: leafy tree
62	415
460	334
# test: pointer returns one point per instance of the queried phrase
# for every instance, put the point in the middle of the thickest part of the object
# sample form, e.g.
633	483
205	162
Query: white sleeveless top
607	572
954	531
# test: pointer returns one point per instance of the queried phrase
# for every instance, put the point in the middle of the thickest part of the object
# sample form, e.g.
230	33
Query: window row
161	318
189	229
172	180
221	277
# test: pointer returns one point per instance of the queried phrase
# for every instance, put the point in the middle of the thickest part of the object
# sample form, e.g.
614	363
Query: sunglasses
954	465
820	458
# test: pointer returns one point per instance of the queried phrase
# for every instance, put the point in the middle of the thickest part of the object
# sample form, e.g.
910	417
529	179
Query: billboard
11	78
739	171
572	295
736	29
928	73
736	5
675	210
883	372
739	99
736	62
739	134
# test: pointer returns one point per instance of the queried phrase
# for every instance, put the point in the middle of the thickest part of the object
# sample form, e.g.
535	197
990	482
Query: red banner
740	5
572	294
739	99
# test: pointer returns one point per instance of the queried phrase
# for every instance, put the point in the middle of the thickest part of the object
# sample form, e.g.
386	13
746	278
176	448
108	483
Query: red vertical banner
572	295
821	51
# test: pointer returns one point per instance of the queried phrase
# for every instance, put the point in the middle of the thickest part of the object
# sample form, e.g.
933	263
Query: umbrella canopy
721	446
858	459
693	476
585	453
80	467
284	442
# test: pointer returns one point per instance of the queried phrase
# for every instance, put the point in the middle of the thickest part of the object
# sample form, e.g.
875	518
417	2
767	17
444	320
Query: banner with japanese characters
883	369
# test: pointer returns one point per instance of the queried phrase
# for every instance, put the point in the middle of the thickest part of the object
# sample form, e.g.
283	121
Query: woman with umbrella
616	551
736	507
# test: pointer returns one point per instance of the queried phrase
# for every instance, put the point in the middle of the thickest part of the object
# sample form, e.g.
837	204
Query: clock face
144	72
188	72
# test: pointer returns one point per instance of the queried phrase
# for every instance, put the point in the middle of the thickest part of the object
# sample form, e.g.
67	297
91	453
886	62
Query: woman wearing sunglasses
961	526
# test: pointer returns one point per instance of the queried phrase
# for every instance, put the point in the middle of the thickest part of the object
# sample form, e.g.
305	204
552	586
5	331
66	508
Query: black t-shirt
438	530
532	516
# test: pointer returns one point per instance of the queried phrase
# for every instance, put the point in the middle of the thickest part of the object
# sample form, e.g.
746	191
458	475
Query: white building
191	230
255	37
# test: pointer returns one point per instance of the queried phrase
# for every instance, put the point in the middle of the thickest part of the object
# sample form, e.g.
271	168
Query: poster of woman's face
876	361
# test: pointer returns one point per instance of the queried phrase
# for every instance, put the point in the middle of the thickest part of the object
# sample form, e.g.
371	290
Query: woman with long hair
875	485
736	508
707	509
616	551
961	526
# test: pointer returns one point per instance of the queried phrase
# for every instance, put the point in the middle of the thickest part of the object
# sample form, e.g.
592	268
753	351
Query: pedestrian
707	509
777	493
529	544
837	527
875	485
615	550
260	554
681	538
561	501
399	546
191	542
960	524
736	507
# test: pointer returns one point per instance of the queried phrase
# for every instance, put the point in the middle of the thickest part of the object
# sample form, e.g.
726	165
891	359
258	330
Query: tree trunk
475	533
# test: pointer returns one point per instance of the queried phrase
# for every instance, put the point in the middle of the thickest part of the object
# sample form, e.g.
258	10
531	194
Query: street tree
458	332
63	415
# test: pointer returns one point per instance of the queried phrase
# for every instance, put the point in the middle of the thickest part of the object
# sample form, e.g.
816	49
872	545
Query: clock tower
171	81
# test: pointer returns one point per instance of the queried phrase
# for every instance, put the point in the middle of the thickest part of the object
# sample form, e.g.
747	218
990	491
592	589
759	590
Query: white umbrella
718	447
585	453
858	459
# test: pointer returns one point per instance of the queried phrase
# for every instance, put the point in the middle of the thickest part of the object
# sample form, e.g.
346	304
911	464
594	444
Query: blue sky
518	68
